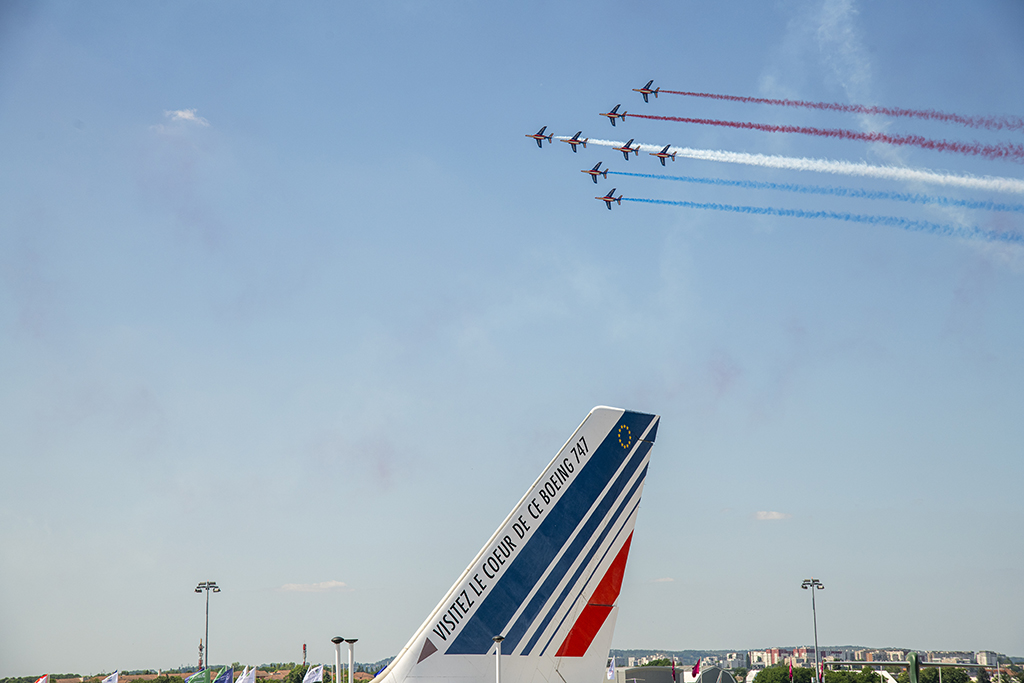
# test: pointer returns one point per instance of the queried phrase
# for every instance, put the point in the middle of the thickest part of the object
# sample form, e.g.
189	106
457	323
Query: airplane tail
584	143
548	579
605	175
656	92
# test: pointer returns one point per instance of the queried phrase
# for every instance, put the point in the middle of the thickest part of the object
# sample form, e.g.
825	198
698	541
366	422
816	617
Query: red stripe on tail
598	608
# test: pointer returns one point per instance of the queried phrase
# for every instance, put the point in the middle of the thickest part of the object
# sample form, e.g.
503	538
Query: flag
45	678
821	672
112	678
611	670
696	669
226	675
673	668
314	674
201	676
790	669
248	676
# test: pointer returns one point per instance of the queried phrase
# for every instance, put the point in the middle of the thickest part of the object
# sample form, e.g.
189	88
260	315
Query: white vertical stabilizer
548	580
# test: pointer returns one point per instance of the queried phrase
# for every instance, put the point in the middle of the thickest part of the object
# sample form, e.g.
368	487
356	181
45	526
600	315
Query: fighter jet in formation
575	140
609	198
663	154
646	90
612	115
626	149
540	137
594	172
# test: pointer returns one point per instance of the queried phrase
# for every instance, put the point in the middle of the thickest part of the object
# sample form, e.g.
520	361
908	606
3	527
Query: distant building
986	658
736	660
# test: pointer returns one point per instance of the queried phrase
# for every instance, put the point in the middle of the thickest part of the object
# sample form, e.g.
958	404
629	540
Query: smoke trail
894	221
836	192
1004	150
986	122
991	183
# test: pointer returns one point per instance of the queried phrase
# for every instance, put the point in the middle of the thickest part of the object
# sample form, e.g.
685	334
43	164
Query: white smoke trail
992	183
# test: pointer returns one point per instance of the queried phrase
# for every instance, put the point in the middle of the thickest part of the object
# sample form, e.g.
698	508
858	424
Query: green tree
780	674
740	674
296	674
868	675
983	676
664	661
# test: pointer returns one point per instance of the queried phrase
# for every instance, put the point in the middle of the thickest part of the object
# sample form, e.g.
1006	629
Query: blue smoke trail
894	221
836	192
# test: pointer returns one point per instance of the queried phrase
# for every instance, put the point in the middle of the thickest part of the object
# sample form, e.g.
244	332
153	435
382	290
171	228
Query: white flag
248	676
45	678
112	678
611	670
315	674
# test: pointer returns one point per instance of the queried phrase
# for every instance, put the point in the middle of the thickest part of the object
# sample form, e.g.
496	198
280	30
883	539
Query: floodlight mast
814	584
351	658
337	640
207	586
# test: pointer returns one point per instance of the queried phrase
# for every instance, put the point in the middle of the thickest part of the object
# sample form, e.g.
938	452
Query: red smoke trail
987	122
1001	151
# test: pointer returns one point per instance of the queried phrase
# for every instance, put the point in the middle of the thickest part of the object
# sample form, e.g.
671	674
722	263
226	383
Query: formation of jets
540	137
612	115
594	172
646	90
626	149
609	198
663	154
575	140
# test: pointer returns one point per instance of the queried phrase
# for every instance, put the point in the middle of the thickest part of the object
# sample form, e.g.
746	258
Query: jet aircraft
663	154
594	172
540	137
612	115
575	140
609	198
626	149
646	90
550	577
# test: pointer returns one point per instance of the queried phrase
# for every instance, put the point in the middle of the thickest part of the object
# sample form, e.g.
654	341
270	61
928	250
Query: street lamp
351	658
337	640
814	584
497	657
207	586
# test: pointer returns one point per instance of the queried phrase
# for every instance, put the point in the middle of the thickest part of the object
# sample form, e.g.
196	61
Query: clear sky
289	302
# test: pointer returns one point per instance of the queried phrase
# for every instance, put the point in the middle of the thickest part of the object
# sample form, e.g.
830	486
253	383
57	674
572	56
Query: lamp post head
498	639
812	583
351	640
337	640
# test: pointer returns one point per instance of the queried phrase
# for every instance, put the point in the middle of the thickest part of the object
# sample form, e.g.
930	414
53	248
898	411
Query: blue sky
287	301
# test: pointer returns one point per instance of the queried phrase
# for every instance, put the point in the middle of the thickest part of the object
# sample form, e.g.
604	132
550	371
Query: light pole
497	657
814	584
207	586
337	640
351	658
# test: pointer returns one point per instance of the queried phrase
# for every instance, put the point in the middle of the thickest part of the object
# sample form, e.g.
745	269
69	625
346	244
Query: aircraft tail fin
548	579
